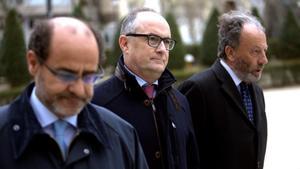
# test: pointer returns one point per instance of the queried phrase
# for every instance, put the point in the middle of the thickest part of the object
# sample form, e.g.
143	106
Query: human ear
230	52
32	62
123	42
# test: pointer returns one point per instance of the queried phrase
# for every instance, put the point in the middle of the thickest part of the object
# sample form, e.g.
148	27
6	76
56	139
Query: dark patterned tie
149	90
247	100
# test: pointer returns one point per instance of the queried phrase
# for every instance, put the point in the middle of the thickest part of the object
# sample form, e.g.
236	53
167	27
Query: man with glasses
141	92
52	124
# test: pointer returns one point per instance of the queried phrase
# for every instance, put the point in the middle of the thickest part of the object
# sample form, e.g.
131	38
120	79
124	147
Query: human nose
78	88
162	46
263	60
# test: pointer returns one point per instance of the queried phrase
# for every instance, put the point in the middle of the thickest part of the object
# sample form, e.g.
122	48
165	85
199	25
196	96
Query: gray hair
230	27
128	23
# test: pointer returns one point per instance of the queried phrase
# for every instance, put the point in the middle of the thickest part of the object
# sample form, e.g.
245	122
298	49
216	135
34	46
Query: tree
289	37
176	60
210	39
114	54
255	13
13	51
77	10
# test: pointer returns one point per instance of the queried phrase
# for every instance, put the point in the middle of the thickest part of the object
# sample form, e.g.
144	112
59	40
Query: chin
67	110
252	78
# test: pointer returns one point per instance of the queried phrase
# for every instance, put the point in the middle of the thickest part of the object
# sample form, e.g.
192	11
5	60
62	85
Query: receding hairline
71	25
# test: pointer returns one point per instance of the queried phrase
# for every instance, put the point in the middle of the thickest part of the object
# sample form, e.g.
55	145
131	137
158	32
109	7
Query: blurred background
194	26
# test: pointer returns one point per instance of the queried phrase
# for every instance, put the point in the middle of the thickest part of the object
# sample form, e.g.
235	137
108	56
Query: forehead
151	22
73	43
251	34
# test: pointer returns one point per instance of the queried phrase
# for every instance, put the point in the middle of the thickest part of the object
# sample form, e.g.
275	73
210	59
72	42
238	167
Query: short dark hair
230	27
128	24
41	37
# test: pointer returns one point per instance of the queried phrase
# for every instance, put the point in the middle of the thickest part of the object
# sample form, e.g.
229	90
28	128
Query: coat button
86	151
147	102
258	165
157	154
16	127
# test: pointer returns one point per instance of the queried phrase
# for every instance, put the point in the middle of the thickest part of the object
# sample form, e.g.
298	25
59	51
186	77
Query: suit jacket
103	140
164	124
226	138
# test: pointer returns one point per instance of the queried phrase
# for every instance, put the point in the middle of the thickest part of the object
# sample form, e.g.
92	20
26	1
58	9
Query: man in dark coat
52	124
231	134
162	117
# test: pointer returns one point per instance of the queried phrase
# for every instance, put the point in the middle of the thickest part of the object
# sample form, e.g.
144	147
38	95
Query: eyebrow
76	72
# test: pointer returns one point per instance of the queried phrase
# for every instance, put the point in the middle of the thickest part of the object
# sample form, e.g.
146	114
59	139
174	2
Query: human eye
90	78
256	51
167	41
154	39
66	76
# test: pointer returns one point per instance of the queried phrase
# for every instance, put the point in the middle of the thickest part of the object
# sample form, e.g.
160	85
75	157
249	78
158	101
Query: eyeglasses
154	40
69	77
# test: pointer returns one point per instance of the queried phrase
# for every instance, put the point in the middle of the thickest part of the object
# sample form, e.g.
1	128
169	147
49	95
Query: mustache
72	96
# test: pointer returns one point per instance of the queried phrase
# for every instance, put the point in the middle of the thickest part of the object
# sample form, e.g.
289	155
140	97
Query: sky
42	2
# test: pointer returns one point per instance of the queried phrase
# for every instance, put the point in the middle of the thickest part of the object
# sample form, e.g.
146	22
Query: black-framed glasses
155	40
69	77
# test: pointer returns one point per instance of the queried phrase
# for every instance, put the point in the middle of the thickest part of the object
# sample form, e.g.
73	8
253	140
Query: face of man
73	49
249	57
146	61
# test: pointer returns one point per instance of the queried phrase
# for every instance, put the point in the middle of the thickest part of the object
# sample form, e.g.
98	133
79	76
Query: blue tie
59	127
247	100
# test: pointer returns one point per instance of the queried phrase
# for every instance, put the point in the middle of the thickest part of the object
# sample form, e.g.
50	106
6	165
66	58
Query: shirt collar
140	81
44	116
234	77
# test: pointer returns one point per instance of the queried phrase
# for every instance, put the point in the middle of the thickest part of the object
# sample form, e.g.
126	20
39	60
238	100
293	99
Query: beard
68	104
245	72
61	104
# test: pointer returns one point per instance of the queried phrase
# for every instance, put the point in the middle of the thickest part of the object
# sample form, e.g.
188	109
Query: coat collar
24	126
165	81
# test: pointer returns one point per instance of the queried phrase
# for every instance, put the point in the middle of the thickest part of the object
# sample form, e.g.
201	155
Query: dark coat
104	141
226	138
164	124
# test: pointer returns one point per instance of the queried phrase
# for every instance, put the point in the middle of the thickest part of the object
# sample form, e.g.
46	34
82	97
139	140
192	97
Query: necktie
59	127
247	100
149	90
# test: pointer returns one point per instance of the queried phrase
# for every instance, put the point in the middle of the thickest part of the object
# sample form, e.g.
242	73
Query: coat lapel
257	104
229	88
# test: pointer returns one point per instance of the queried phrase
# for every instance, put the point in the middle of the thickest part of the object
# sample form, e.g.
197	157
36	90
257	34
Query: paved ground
283	113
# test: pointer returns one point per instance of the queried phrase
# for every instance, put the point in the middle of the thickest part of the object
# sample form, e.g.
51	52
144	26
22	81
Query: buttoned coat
104	141
164	124
226	137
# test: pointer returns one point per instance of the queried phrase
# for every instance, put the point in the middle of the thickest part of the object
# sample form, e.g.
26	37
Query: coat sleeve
195	99
192	148
140	159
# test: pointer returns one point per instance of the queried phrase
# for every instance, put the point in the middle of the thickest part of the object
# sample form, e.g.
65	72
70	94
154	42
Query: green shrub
255	13
77	10
282	72
289	38
195	50
114	54
210	39
274	50
9	95
13	51
176	59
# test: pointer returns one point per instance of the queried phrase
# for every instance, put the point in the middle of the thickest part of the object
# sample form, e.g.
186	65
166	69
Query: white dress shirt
234	77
